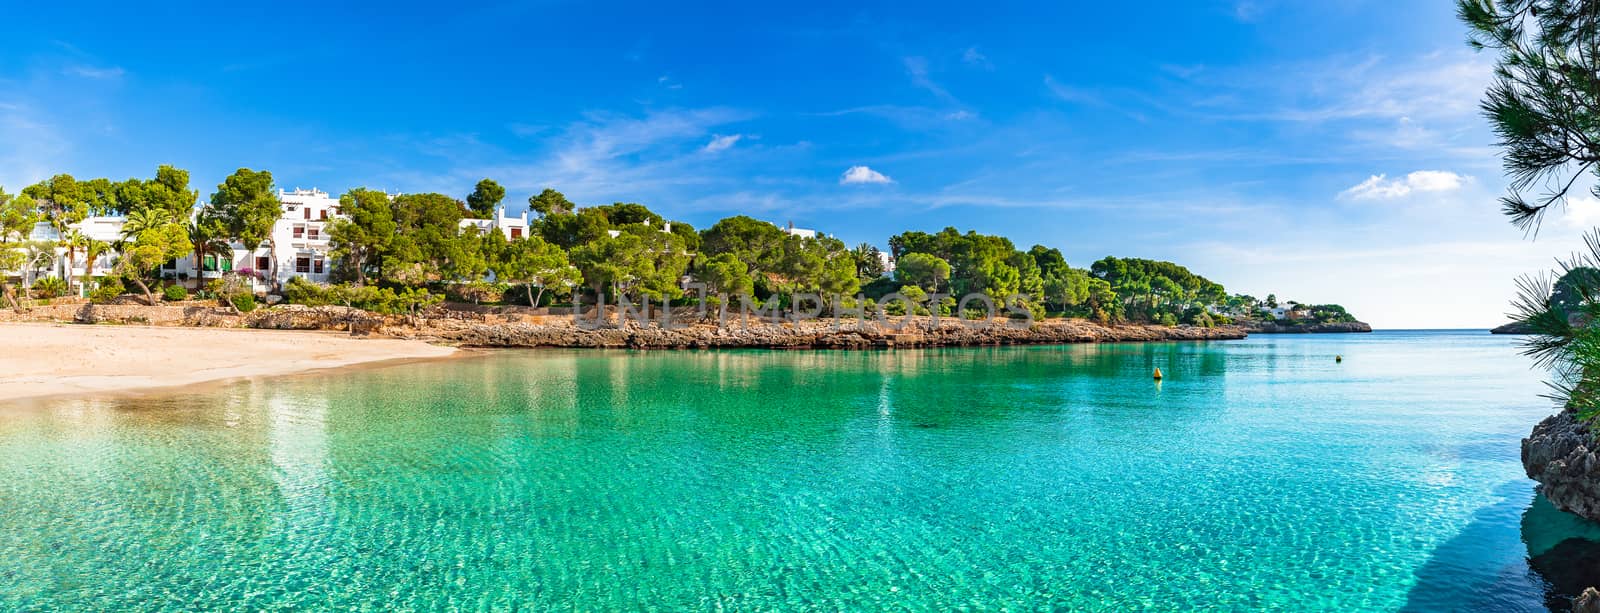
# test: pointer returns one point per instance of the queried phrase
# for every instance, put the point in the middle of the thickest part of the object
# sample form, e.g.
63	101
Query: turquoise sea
1259	474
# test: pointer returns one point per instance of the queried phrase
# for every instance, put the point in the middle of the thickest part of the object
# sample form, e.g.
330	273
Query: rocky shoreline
918	332
1561	455
488	327
1325	328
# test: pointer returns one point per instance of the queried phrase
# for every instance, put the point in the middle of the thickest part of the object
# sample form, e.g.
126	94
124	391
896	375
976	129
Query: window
227	265
302	264
313	233
324	216
316	266
308	213
516	233
170	265
263	263
209	263
299	232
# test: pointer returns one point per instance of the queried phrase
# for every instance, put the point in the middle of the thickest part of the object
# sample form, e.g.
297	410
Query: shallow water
1260	473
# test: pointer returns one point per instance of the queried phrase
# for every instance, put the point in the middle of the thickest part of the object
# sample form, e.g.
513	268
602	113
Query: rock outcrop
1560	454
490	327
820	334
1515	327
1259	327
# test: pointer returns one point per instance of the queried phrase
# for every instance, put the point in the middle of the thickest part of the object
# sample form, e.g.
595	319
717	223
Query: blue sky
1328	152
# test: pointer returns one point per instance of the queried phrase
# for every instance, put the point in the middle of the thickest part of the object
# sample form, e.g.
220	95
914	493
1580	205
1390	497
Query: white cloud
960	115
973	57
721	142
858	175
1380	187
917	68
1582	212
93	72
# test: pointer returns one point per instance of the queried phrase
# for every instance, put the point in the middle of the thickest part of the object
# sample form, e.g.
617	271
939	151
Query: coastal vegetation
403	253
1544	105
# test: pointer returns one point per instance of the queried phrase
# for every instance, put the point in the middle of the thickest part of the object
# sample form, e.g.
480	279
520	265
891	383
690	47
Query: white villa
800	232
298	246
512	227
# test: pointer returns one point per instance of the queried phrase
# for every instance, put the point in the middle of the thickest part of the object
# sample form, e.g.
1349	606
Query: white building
800	232
513	228
297	247
106	229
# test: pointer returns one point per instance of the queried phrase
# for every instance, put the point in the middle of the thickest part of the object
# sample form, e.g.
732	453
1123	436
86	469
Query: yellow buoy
1338	359
1158	374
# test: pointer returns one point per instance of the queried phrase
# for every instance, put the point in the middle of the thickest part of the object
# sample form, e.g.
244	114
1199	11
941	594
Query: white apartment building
513	228
297	247
106	229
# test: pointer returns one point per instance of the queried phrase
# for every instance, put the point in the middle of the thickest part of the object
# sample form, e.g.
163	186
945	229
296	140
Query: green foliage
1559	338
726	276
174	293
426	237
1542	103
485	196
922	269
1150	289
243	302
360	240
246	207
386	300
756	243
550	202
108	289
49	287
537	265
640	262
869	262
569	230
18	214
151	237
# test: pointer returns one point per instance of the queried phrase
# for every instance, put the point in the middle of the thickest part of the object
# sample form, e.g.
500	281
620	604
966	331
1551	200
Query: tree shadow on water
1521	554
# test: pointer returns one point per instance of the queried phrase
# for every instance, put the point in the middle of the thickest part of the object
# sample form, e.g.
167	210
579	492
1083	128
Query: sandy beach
56	359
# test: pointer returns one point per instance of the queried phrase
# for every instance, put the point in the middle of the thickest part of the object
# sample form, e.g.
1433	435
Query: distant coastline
1345	327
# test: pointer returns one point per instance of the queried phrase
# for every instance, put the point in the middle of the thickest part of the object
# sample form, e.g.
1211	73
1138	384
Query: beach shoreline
49	360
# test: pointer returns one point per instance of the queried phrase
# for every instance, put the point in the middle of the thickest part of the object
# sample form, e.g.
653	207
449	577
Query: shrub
476	292
244	302
301	291
107	290
49	287
174	293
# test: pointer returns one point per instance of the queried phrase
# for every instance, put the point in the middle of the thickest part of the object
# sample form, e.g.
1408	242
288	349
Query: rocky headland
1515	327
1262	327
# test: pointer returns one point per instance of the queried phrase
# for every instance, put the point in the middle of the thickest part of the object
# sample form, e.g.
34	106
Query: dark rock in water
1515	327
1560	455
1571	569
1587	602
925	425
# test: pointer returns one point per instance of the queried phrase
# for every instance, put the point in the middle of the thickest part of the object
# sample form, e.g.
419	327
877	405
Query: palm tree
141	220
206	237
72	240
138	223
92	250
